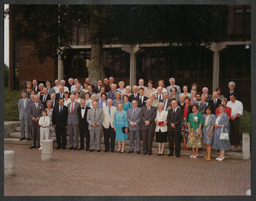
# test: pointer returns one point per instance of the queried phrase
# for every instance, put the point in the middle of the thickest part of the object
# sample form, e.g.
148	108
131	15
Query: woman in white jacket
161	128
44	123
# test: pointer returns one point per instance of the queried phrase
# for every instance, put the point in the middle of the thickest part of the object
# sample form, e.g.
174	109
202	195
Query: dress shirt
82	112
24	101
141	99
56	88
236	107
60	108
165	102
36	104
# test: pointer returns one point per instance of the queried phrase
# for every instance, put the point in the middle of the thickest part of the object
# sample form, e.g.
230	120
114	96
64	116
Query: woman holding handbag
221	139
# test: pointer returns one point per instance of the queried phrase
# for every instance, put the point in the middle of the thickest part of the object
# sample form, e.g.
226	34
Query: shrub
11	98
245	123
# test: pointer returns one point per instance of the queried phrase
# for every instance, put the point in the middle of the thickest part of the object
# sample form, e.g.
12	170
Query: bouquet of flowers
195	119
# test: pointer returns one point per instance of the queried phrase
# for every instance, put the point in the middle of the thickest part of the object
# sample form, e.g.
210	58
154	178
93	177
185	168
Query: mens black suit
214	105
141	102
44	100
176	119
83	128
132	97
59	118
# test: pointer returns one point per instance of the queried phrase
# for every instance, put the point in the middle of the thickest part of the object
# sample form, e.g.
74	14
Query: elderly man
94	119
45	97
135	94
111	81
141	84
236	111
214	103
112	93
63	83
40	89
49	88
148	115
35	86
35	112
159	94
232	90
165	101
56	87
90	90
70	83
134	118
205	91
53	100
172	84
73	87
106	84
78	89
88	80
201	105
61	93
107	123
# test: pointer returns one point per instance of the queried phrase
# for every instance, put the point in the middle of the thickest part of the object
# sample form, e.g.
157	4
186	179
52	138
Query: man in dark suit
214	103
165	101
135	94
45	97
106	84
159	94
35	86
88	80
83	125
61	93
59	121
35	112
231	90
174	119
97	88
142	98
201	106
148	115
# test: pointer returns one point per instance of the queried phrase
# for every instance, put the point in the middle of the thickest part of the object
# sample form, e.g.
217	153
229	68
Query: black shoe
121	152
22	138
159	154
28	139
91	150
58	147
87	149
170	154
64	147
106	150
144	153
80	148
75	148
177	156
112	151
138	152
32	147
149	153
130	152
70	148
98	150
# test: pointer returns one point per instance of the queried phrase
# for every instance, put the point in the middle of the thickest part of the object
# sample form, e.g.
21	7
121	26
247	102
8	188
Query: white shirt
217	120
141	99
44	121
236	107
161	117
24	102
82	112
165	102
66	102
56	89
66	89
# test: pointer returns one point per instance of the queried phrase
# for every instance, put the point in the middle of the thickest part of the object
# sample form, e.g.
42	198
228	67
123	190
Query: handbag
123	129
223	136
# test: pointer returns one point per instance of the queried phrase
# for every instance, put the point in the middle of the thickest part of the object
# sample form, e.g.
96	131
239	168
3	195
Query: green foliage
11	98
245	123
6	75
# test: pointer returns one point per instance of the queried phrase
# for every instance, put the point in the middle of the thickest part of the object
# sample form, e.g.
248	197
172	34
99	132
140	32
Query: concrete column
246	146
47	150
60	68
9	163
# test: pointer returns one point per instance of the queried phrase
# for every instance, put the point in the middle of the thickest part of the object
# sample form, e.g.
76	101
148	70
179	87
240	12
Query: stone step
16	141
15	135
17	128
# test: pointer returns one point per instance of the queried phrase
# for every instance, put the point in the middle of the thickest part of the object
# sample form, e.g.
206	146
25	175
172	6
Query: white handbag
223	136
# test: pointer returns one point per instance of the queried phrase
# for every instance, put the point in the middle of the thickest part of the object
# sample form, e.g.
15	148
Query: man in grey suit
50	89
134	117
73	122
148	115
172	84
94	118
79	89
23	105
201	106
35	112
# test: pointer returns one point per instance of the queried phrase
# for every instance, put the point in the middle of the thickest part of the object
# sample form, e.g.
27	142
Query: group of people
120	113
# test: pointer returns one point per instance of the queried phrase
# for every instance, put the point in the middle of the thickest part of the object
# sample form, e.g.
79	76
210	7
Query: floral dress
195	141
52	134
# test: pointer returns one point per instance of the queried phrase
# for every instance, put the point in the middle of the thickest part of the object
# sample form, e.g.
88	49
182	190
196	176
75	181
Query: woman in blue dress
119	122
127	104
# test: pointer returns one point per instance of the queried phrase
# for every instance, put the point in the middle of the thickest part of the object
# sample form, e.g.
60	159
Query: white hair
172	79
232	83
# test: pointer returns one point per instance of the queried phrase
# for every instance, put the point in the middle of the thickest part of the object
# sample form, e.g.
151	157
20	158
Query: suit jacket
60	118
107	87
201	108
166	104
161	98
73	118
36	88
236	93
169	89
97	120
96	90
140	104
47	98
36	112
148	117
23	112
55	103
82	93
213	106
83	121
134	118
50	90
175	119
108	120
131	97
58	96
111	94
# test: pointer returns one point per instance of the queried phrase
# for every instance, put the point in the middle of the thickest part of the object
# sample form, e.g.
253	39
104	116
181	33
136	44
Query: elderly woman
49	110
127	104
182	102
120	126
227	109
118	98
28	89
161	128
185	91
102	90
193	97
128	90
103	101
93	98
149	89
208	131
87	96
195	121
121	88
174	94
77	97
155	102
221	126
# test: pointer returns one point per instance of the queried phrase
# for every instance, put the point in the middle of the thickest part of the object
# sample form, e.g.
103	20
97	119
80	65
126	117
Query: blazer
161	98
36	112
140	104
58	96
159	118
148	117
97	120
201	108
189	110
50	90
73	118
175	119
108	120
112	95
47	98
83	121
23	112
60	118
81	92
131	97
134	118
213	107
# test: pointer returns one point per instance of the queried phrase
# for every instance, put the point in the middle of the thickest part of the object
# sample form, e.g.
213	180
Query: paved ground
80	173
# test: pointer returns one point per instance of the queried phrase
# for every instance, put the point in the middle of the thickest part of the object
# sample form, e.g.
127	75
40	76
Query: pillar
246	146
9	163
60	68
47	150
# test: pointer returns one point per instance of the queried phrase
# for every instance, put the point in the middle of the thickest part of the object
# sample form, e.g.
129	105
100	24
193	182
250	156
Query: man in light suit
148	115
159	94
49	88
201	106
23	105
35	112
73	122
107	123
172	84
134	118
174	119
78	89
94	119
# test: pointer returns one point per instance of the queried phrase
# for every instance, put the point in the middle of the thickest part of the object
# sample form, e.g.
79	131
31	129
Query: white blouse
217	120
67	102
161	117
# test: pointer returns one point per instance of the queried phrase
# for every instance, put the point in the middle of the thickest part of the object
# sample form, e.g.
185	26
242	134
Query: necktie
133	112
140	99
53	103
60	109
72	108
94	113
215	101
174	112
109	111
44	98
148	110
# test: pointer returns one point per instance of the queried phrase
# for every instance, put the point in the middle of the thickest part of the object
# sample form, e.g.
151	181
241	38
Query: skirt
161	137
184	127
194	141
